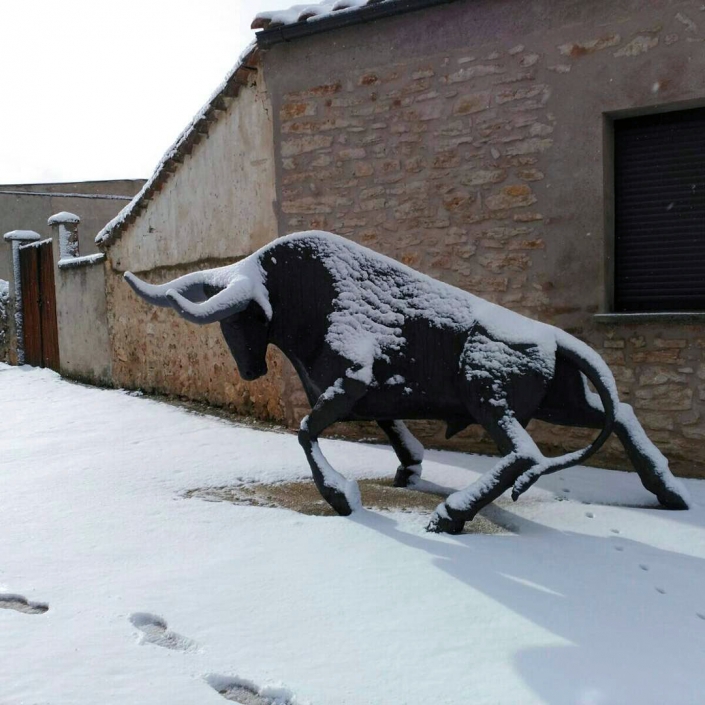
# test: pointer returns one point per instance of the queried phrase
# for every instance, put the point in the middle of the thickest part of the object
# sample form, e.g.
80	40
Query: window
660	212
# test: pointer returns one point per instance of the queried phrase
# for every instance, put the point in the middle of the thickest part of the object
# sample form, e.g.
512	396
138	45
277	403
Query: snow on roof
192	134
63	217
21	236
306	13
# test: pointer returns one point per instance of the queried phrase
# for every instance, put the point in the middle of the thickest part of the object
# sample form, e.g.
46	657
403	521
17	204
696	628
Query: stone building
548	156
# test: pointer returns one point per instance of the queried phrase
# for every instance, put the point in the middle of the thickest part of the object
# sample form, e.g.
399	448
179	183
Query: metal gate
41	333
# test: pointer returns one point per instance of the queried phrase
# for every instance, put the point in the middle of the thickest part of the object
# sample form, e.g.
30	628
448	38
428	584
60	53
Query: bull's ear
190	286
231	300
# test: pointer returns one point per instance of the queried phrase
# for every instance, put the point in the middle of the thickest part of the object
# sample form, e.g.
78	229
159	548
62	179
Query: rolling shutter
660	212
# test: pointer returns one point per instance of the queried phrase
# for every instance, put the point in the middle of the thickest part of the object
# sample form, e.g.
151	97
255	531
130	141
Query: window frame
609	314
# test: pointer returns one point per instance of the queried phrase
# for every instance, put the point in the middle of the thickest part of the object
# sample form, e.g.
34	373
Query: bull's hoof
338	502
406	477
672	500
445	525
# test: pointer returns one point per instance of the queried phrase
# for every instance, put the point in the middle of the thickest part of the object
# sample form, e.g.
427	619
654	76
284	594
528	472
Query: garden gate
41	333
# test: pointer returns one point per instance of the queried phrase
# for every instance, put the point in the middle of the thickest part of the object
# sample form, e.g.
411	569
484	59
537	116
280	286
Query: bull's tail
606	400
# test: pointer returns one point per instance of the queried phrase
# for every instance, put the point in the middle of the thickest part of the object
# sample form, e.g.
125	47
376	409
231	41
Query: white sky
99	90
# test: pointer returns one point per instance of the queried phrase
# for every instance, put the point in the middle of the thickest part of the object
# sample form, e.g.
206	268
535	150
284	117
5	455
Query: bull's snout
252	372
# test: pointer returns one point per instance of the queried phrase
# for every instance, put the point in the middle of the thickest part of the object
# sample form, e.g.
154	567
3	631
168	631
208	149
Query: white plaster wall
218	204
84	343
217	207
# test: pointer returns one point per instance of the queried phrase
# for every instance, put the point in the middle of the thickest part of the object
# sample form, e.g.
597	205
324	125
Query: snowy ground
154	598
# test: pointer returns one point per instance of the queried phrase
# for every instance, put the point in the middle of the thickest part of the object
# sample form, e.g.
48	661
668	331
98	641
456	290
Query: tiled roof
308	13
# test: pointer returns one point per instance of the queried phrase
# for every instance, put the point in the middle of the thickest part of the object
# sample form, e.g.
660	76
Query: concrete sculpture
372	339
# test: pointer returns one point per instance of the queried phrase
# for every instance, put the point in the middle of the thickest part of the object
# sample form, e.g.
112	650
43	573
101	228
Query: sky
99	90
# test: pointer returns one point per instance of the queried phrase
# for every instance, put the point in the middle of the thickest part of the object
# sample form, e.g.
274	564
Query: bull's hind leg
335	403
648	461
521	454
570	403
408	450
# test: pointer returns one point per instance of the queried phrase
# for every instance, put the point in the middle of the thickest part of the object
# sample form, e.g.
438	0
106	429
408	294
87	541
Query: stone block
293	110
638	45
666	397
658	374
497	262
671	355
480	177
471	103
663	343
516	196
351	153
507	95
530	174
531	145
302	145
468	73
577	49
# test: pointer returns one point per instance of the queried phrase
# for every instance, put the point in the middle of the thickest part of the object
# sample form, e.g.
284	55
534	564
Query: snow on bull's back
375	294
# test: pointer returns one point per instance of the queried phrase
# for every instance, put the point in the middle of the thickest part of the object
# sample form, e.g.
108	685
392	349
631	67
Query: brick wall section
452	163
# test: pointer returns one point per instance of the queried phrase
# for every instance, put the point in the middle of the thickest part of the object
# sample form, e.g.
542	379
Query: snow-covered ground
597	598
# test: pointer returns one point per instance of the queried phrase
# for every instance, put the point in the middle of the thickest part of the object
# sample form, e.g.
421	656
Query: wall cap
85	261
63	217
21	236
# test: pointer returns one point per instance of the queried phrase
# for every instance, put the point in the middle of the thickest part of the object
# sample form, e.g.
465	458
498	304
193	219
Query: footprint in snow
244	692
22	604
643	566
660	590
155	631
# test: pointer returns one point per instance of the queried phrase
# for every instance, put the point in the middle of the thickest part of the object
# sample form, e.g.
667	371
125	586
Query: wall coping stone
63	217
21	236
78	262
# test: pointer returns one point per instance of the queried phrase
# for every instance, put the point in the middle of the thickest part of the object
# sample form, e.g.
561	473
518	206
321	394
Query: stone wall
28	206
475	148
4	320
216	208
82	320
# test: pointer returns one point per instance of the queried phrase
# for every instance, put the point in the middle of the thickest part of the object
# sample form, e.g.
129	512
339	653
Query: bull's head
225	296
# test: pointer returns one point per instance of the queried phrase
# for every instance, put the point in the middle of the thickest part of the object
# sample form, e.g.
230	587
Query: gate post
17	237
67	225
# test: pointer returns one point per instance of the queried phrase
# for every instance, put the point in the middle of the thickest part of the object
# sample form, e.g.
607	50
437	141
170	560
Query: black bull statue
372	339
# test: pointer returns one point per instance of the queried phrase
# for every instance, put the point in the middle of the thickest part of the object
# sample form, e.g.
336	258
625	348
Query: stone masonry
484	165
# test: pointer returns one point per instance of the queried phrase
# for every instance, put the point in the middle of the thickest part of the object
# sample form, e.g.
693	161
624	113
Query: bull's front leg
408	449
335	403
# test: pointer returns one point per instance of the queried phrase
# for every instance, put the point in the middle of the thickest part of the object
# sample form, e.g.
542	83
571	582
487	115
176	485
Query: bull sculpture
372	339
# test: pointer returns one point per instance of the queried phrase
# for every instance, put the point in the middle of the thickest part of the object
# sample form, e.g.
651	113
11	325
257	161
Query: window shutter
660	212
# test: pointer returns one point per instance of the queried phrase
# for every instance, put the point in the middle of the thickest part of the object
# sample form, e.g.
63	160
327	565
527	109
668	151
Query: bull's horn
233	299
190	285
